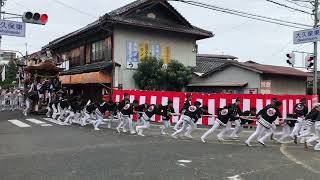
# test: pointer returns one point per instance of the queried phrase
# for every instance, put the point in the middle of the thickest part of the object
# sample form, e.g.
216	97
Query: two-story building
105	53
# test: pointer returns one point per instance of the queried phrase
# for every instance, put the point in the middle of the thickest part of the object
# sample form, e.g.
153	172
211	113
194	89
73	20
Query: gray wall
232	74
181	46
287	84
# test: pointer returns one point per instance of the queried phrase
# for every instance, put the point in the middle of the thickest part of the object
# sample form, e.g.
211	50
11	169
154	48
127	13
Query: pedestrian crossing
32	122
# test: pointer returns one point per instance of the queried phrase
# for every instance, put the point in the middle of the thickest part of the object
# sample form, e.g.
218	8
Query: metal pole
315	76
0	18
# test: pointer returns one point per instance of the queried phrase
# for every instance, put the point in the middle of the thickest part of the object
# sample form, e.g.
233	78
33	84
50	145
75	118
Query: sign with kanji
266	87
12	28
132	55
306	36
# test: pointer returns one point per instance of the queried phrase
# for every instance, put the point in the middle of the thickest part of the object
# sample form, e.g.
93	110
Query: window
97	51
74	57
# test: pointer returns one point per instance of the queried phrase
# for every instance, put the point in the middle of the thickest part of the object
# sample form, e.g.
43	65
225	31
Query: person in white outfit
186	105
145	119
316	137
190	116
222	120
266	118
300	111
235	113
166	113
125	113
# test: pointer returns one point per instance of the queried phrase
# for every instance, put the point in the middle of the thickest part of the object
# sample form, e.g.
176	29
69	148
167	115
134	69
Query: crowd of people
11	99
303	125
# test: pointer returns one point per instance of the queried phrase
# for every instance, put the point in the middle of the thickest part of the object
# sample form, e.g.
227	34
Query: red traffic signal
35	18
44	18
309	61
291	59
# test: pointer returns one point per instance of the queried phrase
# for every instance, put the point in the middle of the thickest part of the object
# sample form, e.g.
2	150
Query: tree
149	75
177	76
11	72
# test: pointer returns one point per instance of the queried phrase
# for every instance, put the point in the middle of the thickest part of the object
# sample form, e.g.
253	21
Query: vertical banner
165	54
155	50
143	50
132	55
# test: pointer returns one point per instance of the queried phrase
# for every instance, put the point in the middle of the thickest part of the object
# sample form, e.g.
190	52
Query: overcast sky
237	36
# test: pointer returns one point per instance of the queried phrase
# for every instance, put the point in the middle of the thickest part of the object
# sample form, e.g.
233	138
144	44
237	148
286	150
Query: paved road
48	151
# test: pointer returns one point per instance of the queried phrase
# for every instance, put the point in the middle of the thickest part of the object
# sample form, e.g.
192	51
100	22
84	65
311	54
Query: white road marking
184	161
36	121
236	177
55	121
46	125
180	164
293	159
19	123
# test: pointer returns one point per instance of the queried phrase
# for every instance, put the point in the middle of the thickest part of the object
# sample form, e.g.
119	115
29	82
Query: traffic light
309	61
35	18
291	59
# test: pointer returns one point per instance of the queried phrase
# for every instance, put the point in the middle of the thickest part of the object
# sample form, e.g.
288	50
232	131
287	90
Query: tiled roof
281	70
127	7
156	24
218	84
117	17
89	68
207	64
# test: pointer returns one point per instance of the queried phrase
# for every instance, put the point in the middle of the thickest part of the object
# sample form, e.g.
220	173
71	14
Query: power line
246	15
286	6
297	4
75	9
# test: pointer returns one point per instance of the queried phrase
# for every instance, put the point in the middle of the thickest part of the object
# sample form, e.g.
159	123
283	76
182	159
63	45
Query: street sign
12	28
306	36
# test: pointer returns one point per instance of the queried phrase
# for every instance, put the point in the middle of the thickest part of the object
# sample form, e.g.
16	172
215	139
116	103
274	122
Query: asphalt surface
73	153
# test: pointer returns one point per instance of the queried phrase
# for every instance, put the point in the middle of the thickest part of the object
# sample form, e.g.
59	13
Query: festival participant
100	111
266	118
316	137
300	111
309	122
289	123
235	113
145	119
120	106
166	112
140	109
112	107
126	112
186	105
222	120
189	117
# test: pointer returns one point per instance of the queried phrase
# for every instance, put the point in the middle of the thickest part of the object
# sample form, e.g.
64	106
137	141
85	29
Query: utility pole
315	76
1	3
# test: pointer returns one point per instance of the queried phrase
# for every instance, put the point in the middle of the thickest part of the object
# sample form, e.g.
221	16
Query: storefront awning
86	78
218	84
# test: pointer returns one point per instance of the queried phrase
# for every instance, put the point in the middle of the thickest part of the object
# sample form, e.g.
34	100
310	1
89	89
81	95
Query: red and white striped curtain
213	101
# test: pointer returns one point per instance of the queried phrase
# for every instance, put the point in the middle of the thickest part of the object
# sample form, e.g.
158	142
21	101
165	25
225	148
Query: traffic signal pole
0	18
315	49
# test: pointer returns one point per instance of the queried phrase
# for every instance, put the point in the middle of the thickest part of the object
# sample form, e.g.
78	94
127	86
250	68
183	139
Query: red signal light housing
44	18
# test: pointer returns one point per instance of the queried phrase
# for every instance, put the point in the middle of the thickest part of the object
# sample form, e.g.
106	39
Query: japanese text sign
12	28
306	36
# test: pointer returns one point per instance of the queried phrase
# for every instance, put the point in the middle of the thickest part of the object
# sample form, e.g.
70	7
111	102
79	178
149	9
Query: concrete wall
287	84
181	49
232	74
